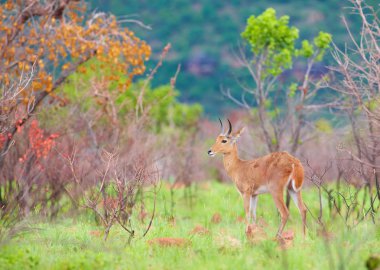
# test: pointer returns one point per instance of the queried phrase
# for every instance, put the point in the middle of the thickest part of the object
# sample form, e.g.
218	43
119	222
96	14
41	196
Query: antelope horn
229	127
221	126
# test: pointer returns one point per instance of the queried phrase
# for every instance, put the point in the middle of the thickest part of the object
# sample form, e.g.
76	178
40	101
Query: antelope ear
236	134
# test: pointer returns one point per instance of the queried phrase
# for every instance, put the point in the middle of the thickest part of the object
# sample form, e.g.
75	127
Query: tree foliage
43	42
273	39
281	108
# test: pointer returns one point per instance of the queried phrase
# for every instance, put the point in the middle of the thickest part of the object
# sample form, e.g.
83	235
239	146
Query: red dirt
255	233
205	186
177	185
169	242
326	234
286	241
199	229
216	218
96	233
262	223
288	235
227	242
240	219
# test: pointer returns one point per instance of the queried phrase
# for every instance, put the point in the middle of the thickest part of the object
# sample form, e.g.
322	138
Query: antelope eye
224	141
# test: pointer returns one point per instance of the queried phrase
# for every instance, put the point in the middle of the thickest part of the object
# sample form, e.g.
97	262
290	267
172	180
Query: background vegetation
103	146
205	36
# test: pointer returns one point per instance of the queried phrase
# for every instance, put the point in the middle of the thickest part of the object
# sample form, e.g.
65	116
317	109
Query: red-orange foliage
53	40
40	144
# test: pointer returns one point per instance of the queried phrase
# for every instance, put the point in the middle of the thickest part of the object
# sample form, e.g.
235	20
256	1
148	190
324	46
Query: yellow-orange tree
43	41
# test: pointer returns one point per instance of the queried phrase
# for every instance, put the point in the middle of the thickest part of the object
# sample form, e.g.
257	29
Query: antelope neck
230	160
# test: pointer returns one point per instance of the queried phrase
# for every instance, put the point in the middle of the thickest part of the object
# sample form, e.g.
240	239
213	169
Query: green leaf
323	125
323	40
307	49
272	37
293	89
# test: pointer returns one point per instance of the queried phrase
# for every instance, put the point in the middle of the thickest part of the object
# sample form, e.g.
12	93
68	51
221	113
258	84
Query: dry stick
131	232
154	209
311	213
260	94
300	115
110	223
173	81
319	185
153	214
139	23
103	187
139	103
356	158
377	184
19	87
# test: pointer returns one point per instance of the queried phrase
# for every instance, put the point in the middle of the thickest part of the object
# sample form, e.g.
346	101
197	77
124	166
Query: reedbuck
272	174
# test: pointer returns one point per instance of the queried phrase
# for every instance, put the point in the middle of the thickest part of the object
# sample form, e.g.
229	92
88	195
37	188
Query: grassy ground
75	243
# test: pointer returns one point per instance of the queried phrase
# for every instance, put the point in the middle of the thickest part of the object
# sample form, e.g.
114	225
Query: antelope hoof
249	228
279	237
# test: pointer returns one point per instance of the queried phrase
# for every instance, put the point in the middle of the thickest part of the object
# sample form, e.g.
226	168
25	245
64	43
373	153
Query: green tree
273	45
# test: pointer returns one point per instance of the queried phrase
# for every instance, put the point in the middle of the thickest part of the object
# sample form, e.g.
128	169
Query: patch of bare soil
205	186
177	185
227	242
326	234
216	218
96	233
255	233
262	223
240	219
169	242
286	239
200	230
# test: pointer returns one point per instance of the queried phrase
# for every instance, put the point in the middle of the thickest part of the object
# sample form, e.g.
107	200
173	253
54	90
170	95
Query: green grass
68	243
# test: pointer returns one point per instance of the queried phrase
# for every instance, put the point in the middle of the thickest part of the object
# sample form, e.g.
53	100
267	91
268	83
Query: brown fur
268	174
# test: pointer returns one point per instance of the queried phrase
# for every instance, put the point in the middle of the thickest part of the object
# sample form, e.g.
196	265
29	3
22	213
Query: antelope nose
209	152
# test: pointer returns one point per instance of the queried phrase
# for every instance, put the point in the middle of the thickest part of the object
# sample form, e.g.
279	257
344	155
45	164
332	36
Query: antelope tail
296	178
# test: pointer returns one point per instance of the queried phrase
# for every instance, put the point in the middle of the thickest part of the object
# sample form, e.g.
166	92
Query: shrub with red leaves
40	144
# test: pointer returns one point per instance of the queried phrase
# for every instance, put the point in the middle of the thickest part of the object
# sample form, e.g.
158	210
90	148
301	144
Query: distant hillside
204	35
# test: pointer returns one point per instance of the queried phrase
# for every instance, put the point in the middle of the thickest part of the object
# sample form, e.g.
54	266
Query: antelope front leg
247	208
252	206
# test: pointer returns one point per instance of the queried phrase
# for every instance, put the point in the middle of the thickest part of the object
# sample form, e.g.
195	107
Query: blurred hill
205	35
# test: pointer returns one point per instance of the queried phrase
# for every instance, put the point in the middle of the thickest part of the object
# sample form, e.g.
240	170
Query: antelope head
225	141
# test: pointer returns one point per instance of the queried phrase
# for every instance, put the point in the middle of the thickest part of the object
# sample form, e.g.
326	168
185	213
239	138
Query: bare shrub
116	188
345	200
358	70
